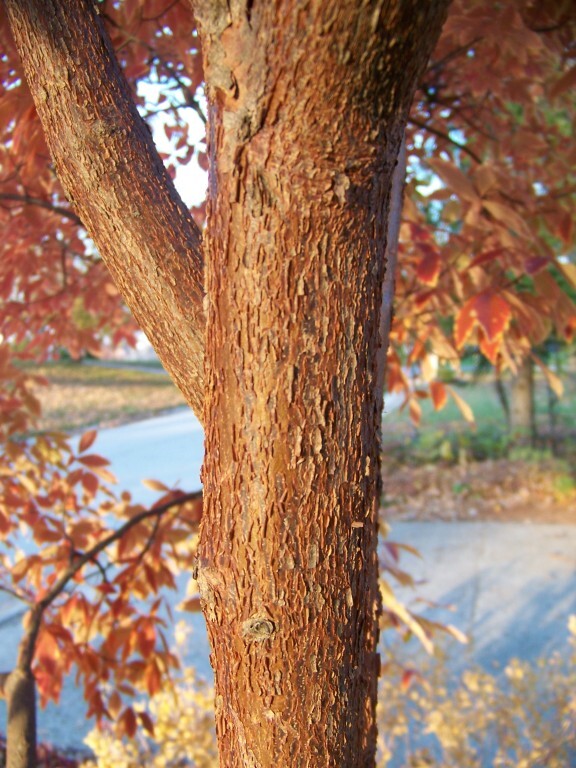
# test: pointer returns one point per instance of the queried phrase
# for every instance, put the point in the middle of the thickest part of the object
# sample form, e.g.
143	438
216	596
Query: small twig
14	593
65	212
446	137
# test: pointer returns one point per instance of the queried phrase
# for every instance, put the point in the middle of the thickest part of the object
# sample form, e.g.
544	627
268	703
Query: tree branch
109	167
394	220
446	137
65	212
28	642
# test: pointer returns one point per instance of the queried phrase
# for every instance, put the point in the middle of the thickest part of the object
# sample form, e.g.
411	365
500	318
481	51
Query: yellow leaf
155	485
554	381
391	603
463	406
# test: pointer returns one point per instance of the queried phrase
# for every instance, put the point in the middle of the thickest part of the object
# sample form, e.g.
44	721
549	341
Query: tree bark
307	110
522	407
20	691
110	169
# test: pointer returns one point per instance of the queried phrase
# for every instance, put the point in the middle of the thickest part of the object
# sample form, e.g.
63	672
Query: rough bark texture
307	110
109	167
20	691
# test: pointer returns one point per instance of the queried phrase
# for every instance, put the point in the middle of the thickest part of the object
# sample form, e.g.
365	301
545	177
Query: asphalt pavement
510	587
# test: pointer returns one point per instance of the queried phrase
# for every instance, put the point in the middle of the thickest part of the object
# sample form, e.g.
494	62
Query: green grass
445	435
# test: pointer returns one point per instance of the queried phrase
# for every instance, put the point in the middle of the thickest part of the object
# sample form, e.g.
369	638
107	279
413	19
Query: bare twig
65	212
446	137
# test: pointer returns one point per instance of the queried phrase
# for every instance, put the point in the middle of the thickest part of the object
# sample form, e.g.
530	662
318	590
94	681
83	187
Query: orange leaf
153	678
566	81
463	406
86	440
465	323
508	216
489	311
155	485
192	604
415	411
554	382
438	394
493	314
454	178
490	349
146	638
428	267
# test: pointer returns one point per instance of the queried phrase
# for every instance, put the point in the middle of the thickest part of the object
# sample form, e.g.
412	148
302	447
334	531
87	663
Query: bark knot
255	629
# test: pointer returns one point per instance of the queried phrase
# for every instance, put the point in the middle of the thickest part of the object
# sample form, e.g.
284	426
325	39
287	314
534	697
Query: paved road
510	587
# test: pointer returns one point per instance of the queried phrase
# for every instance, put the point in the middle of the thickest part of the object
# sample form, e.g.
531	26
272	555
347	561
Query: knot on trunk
256	629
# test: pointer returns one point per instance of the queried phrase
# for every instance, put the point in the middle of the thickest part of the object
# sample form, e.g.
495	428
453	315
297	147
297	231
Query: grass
442	434
83	395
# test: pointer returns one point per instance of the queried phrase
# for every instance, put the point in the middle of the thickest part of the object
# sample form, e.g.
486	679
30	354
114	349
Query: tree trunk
307	111
522	409
308	103
20	691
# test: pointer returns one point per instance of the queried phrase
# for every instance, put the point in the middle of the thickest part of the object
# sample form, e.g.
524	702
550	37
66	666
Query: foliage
183	733
486	257
523	718
88	566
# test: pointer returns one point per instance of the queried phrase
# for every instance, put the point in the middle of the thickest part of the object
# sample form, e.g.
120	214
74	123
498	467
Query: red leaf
127	722
438	394
93	460
146	721
489	311
428	268
566	81
90	483
454	178
86	440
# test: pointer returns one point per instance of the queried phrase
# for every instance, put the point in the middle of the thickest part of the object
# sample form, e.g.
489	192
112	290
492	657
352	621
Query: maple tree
479	262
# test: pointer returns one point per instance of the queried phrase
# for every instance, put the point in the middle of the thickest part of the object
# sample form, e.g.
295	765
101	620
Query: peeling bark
110	169
307	111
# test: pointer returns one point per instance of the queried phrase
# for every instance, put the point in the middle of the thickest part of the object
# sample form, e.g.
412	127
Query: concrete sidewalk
510	587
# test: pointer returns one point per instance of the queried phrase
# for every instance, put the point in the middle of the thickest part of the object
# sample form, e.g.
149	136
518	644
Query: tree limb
28	642
109	167
65	212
